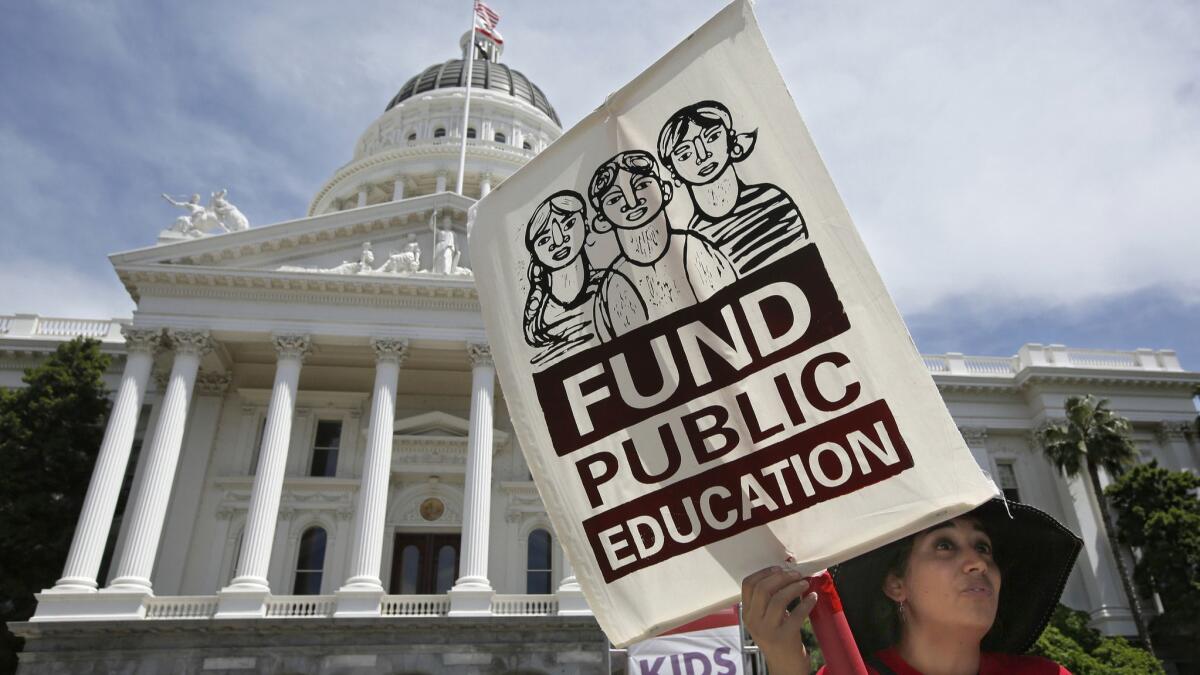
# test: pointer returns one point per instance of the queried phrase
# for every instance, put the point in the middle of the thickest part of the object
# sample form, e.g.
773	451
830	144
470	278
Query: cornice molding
444	293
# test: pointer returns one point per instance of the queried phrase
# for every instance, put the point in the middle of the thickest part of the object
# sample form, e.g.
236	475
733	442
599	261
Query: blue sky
1020	172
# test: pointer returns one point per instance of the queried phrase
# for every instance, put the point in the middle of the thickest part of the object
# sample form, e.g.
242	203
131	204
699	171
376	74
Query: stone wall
455	646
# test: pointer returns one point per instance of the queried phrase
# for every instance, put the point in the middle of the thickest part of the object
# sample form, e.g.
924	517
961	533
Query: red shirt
989	664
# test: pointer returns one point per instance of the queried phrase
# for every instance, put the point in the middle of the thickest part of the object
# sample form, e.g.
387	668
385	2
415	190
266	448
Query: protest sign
710	645
702	365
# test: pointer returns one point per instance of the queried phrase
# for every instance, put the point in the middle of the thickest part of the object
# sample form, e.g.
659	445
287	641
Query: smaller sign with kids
710	645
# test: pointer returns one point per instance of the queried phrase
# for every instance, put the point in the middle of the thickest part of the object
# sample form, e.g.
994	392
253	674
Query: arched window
447	568
310	562
412	137
526	145
500	138
537	563
440	132
471	132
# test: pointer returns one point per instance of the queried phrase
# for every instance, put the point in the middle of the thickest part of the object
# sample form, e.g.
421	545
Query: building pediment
294	239
320	253
435	442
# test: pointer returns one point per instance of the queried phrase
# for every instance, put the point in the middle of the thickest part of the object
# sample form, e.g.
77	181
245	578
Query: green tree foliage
1159	513
1095	437
50	431
1069	642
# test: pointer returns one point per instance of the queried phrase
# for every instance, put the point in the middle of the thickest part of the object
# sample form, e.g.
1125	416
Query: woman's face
952	581
701	154
560	241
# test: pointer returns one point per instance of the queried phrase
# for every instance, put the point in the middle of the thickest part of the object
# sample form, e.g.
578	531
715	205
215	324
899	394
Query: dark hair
563	202
704	114
637	162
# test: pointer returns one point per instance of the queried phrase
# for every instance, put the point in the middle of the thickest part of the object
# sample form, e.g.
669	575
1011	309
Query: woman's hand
765	597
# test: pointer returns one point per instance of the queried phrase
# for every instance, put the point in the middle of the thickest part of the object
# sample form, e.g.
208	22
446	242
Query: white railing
524	605
991	365
936	364
73	327
1051	356
415	605
181	607
34	326
300	606
1100	358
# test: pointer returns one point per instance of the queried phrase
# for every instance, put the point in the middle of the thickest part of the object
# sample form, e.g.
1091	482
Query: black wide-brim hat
1035	554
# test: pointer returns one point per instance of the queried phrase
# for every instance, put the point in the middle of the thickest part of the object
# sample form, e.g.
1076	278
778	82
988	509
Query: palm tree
1095	437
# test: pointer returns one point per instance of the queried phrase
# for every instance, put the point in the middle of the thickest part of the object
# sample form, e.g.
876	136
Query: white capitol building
308	467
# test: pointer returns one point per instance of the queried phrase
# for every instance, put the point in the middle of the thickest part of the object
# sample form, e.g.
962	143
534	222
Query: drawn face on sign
702	153
629	190
557	240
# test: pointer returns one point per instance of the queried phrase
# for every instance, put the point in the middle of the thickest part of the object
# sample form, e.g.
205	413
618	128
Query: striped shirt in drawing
763	225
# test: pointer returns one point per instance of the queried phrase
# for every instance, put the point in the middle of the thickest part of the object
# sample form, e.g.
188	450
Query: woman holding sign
969	595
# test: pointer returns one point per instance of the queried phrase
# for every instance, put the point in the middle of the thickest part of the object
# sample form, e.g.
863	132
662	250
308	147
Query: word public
830	444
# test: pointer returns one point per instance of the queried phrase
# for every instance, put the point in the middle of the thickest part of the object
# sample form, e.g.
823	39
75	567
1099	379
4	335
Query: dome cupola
412	149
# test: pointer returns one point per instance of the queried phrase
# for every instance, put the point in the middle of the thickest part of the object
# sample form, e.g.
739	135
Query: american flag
485	22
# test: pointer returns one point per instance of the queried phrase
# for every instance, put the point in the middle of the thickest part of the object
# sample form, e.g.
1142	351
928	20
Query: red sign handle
832	631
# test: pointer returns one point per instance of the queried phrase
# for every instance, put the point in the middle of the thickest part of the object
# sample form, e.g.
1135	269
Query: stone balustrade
181	607
34	327
415	605
164	608
524	605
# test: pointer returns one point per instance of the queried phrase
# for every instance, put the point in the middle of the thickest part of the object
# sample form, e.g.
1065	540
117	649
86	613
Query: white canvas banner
702	365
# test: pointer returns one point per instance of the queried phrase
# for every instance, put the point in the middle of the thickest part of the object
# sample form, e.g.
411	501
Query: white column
471	595
95	520
183	534
244	596
485	184
363	590
398	189
149	506
1175	441
570	597
362	196
440	182
1110	611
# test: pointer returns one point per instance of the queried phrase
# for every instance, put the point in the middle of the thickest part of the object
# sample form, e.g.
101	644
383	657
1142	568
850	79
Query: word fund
759	343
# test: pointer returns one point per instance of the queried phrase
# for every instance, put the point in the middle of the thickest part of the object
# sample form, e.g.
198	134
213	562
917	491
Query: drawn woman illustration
660	269
558	312
749	223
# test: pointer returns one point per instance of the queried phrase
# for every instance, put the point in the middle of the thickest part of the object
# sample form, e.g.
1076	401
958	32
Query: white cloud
52	289
1019	154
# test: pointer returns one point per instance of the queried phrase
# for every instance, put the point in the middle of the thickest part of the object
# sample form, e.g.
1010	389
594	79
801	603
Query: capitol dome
484	75
413	148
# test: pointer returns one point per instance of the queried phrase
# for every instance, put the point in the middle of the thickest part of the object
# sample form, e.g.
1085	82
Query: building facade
309	468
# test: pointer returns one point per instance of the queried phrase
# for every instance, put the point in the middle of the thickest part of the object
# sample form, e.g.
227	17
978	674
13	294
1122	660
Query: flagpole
462	156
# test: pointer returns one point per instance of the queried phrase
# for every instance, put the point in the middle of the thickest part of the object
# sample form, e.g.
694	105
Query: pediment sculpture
217	217
406	261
